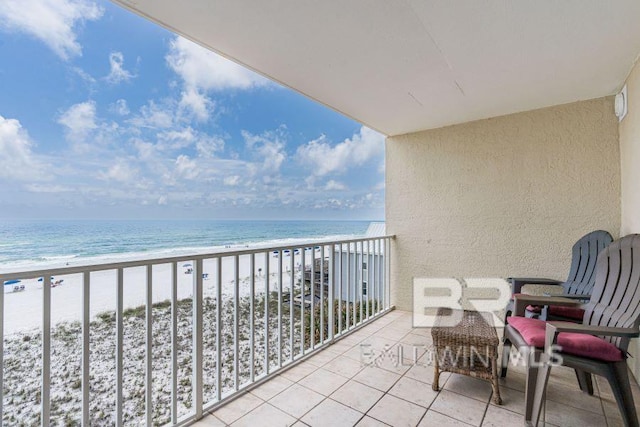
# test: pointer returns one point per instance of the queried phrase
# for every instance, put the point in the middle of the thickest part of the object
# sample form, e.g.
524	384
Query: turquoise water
31	243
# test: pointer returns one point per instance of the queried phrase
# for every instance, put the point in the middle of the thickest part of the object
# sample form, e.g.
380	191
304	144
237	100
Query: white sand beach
23	310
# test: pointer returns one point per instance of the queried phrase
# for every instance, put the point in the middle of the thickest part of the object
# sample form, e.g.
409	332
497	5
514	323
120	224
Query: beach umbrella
186	265
12	282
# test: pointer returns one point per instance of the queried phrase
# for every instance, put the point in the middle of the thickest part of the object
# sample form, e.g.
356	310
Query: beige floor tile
417	340
393	333
414	391
357	396
323	357
396	412
296	400
433	418
460	407
271	387
380	343
210	421
360	353
341	346
499	417
612	413
377	378
323	381
425	332
393	361
344	366
563	415
267	416
370	422
513	380
470	387
300	371
237	408
424	373
574	397
512	400
330	413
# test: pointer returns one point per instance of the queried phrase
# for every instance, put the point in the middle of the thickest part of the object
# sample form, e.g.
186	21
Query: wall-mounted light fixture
621	104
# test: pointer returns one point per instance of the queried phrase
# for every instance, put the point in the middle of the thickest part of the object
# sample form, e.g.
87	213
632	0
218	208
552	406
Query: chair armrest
518	282
554	328
574	296
522	301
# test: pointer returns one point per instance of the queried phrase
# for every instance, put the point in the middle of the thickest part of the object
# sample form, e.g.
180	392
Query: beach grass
22	368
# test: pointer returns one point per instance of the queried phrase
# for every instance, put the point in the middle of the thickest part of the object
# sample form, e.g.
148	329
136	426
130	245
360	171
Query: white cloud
177	139
197	104
204	70
47	188
79	120
162	200
207	146
17	160
325	159
53	22
232	181
334	185
120	107
153	116
268	149
186	167
121	172
118	74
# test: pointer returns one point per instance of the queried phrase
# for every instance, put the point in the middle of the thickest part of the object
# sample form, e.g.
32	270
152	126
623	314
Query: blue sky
106	115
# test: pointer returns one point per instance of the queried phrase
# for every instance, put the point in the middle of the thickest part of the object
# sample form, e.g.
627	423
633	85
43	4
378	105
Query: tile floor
337	387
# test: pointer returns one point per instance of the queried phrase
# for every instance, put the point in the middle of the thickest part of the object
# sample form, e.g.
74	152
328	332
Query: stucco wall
501	197
630	175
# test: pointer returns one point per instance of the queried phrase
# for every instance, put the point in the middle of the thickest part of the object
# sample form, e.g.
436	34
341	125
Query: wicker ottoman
465	343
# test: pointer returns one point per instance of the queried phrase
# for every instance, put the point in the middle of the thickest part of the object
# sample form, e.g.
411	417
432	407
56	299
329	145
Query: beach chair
596	346
578	285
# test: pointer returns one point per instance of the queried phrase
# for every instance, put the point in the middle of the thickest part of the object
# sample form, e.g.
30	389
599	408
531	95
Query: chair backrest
583	262
615	300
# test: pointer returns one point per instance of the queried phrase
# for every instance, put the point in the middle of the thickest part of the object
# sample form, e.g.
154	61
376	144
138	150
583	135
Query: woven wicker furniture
466	343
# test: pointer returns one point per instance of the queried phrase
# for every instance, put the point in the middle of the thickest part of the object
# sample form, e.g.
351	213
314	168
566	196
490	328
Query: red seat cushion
533	331
534	308
575	313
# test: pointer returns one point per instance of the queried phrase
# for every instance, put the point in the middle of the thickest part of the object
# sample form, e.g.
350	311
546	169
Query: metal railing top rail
12	274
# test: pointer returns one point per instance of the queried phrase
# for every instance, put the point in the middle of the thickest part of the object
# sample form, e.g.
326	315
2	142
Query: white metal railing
223	337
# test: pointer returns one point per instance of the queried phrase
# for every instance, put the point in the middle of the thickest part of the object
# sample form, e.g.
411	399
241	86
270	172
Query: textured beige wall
630	173
501	197
630	156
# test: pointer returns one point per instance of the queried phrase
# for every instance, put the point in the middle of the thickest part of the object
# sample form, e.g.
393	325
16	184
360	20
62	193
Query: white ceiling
400	66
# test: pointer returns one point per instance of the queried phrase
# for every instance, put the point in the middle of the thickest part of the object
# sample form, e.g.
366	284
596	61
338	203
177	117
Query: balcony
283	358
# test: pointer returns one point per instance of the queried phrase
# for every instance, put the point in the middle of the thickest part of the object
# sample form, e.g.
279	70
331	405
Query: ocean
29	244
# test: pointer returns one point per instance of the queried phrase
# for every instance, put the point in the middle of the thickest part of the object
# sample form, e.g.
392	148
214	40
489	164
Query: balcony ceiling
400	66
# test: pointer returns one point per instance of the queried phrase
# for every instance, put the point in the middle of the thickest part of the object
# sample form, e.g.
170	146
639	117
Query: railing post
119	345
252	315
291	317
149	346
236	321
86	351
266	313
218	328
331	295
197	385
174	342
